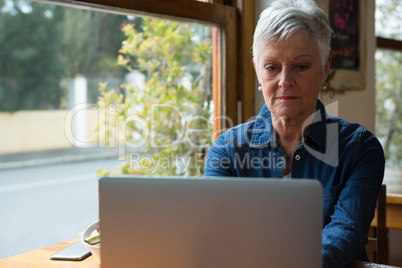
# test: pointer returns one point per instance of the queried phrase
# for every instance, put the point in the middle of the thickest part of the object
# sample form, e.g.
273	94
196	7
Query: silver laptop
173	222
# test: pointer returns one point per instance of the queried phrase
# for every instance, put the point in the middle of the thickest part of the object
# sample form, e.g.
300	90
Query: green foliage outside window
171	116
29	60
389	103
389	82
43	45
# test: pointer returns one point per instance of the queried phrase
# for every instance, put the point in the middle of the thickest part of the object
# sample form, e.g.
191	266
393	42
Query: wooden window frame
386	43
233	74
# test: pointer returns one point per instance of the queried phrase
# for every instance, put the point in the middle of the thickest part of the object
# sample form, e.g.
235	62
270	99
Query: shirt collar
317	130
263	132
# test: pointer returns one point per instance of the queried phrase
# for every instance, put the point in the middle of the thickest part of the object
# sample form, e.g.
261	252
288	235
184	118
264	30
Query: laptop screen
210	222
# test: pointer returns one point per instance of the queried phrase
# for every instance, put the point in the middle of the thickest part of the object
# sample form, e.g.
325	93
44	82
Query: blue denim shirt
346	158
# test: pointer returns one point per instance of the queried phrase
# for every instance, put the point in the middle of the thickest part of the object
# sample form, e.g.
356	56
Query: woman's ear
327	67
256	71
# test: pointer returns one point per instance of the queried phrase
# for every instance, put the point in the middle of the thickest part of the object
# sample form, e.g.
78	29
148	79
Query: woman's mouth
286	98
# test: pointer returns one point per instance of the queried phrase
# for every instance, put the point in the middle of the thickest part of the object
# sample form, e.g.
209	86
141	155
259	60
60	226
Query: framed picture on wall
344	21
348	20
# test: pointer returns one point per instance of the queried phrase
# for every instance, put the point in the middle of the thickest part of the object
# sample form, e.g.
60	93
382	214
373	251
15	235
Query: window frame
387	43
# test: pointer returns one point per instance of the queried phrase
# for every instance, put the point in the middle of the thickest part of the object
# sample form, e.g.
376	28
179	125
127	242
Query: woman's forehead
297	45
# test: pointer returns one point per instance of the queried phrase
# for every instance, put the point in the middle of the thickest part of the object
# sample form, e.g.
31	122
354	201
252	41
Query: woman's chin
286	112
291	111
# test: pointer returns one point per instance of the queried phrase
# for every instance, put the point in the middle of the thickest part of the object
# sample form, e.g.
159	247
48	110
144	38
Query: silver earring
259	88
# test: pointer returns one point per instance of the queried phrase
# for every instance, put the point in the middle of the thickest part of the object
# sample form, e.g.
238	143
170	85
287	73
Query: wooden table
394	212
393	180
39	258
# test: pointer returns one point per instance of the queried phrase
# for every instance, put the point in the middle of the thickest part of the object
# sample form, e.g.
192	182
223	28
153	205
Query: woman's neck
289	134
287	130
290	130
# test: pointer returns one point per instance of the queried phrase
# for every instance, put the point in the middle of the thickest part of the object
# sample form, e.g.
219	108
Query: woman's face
291	76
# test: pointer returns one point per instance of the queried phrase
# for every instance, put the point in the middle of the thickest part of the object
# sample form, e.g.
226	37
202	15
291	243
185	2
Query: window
63	200
389	86
388	16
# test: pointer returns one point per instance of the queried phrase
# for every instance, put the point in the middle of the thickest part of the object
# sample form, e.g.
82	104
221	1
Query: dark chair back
377	246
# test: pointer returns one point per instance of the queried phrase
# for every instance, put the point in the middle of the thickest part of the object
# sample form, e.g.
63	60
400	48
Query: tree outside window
389	82
163	125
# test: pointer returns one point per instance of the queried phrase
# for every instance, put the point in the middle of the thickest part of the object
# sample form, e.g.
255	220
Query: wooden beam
216	82
182	9
230	72
389	43
245	70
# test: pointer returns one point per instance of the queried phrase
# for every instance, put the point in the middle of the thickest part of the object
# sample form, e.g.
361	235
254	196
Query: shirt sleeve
217	163
344	237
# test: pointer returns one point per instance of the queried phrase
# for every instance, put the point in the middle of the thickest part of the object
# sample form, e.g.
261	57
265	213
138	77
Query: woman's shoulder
255	126
354	132
237	134
349	128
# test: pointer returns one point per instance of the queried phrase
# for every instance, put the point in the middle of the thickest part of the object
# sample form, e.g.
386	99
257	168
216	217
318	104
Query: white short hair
286	17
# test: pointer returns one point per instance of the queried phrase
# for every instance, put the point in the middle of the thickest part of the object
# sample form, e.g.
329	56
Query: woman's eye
270	67
302	67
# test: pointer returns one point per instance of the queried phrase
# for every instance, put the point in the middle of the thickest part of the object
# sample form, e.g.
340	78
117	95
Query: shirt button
297	157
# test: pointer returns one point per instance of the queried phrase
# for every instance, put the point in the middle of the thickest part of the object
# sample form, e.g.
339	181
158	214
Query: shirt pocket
330	198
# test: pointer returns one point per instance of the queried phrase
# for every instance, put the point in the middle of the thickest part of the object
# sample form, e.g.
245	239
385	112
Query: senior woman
294	137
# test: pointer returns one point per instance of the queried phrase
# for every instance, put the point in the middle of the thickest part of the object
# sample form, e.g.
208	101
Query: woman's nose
286	78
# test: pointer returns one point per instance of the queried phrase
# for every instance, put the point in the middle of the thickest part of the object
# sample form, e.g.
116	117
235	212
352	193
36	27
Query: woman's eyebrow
295	58
303	55
269	57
